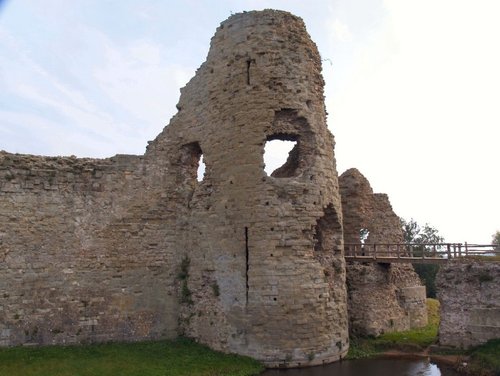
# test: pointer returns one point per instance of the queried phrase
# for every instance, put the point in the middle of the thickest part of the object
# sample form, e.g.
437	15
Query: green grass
485	359
361	348
165	358
411	340
418	338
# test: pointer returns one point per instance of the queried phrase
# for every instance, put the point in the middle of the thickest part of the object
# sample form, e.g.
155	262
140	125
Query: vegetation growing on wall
215	289
184	276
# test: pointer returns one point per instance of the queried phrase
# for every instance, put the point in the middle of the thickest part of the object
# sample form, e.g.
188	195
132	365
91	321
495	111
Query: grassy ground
482	360
485	359
411	340
165	358
419	338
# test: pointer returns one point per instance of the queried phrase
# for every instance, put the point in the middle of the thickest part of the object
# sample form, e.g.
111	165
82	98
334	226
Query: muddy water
370	367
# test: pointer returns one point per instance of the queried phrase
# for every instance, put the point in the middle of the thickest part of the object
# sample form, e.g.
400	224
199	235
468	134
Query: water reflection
372	367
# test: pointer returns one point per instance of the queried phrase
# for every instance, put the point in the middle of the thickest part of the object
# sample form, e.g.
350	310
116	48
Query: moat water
370	367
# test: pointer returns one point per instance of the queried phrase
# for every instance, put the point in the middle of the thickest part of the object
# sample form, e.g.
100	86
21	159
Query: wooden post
466	250
448	246
374	251
460	250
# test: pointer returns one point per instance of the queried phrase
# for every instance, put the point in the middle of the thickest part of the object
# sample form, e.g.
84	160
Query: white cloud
340	31
145	52
121	101
137	79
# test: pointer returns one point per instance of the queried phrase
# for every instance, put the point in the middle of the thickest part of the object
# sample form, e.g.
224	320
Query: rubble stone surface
470	302
135	247
381	297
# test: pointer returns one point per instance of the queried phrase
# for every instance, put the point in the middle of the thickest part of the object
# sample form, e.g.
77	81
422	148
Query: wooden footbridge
433	253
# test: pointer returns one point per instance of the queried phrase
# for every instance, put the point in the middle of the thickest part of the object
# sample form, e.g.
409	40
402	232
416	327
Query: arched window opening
192	161
328	231
281	156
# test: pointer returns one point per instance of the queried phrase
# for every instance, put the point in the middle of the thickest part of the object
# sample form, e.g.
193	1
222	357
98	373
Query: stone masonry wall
81	251
266	274
131	247
469	294
381	297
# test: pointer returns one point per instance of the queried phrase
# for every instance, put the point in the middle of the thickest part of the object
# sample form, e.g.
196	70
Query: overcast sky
412	89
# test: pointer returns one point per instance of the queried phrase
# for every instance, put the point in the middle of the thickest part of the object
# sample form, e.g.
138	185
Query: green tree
415	234
496	240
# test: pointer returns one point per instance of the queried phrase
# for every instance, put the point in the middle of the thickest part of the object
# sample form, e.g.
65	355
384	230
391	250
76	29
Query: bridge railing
414	251
482	249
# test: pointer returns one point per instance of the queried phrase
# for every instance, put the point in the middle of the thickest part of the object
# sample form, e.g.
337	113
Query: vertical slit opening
249	62
246	262
200	173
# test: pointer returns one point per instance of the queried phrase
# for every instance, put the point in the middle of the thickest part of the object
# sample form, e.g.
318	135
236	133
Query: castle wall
131	247
266	273
381	297
470	302
81	259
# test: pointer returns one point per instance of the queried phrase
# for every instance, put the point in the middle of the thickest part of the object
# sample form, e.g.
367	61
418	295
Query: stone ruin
369	284
136	248
470	311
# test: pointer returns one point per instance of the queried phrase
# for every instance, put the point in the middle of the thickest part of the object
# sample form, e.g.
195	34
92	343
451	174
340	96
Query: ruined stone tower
381	297
271	244
134	247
